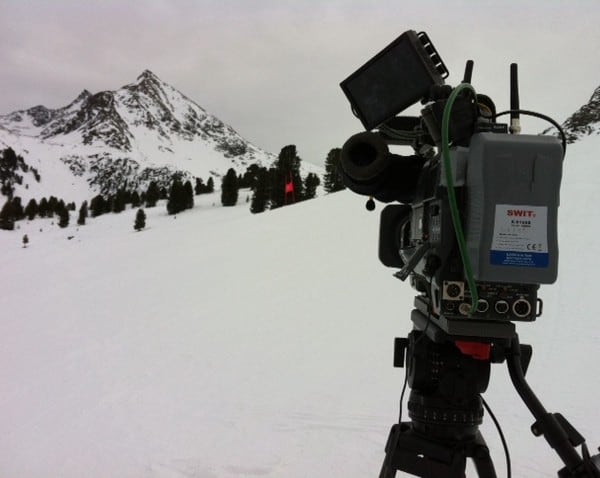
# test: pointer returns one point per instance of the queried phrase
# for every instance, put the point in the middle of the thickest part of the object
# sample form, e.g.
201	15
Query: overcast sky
271	68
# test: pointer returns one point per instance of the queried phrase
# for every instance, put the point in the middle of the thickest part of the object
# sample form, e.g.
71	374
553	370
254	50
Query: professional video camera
477	228
476	232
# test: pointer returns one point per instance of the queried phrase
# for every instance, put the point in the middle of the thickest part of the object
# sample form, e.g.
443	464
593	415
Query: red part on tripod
476	350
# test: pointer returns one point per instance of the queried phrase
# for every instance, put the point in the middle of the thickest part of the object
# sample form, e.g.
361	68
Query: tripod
447	378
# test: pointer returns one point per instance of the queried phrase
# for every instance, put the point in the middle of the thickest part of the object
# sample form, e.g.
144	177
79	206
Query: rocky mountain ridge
585	121
145	130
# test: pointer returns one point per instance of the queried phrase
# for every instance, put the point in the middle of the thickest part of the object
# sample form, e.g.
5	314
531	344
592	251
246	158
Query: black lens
362	154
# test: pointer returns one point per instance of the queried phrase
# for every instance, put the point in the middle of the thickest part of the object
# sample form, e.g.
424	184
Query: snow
221	344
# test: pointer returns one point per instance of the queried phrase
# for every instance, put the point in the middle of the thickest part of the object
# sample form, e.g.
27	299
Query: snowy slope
218	344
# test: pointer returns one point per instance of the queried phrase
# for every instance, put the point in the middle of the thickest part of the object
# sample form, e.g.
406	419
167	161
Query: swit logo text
520	213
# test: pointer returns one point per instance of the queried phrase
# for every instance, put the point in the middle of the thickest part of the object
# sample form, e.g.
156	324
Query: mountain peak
148	83
148	75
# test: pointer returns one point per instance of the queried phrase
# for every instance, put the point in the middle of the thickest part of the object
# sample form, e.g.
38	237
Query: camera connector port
483	306
501	307
454	290
464	308
521	308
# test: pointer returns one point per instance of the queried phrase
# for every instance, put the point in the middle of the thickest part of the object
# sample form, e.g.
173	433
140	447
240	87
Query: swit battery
513	193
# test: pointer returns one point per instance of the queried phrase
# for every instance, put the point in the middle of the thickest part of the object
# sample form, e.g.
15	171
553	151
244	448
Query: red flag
289	187
290	195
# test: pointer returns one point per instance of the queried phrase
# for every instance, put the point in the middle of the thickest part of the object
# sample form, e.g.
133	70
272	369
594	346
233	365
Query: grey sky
271	68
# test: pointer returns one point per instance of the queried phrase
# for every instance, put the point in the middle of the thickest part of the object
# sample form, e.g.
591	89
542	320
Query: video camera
476	227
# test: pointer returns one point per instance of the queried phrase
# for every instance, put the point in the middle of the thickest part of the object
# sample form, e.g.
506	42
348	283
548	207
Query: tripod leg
387	469
480	454
416	455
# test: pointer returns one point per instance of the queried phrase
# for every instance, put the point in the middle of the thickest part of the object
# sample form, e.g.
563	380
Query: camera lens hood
365	158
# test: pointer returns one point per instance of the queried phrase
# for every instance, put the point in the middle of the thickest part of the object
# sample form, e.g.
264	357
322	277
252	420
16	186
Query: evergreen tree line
282	183
268	185
270	190
179	197
13	211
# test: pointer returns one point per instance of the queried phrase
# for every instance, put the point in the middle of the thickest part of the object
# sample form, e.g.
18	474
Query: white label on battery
520	236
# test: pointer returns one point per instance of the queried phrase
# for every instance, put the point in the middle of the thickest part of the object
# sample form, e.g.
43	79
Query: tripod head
447	377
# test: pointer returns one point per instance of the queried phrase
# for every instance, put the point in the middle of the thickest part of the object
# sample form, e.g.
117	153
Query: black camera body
476	227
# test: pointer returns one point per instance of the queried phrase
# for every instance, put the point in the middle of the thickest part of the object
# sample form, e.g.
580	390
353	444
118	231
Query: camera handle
555	428
403	273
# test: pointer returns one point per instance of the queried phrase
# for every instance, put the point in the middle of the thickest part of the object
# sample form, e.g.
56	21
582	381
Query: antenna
515	123
468	71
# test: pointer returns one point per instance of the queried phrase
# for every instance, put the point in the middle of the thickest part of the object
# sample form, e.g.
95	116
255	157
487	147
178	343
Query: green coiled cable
458	229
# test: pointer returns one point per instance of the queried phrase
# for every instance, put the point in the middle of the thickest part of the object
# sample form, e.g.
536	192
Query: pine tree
18	210
135	199
110	203
333	178
43	208
120	201
152	194
60	206
83	213
286	168
210	185
7	217
276	187
25	241
9	159
246	180
31	209
63	217
8	165
177	197
260	196
189	195
311	183
229	188
200	187
140	220
52	206
98	205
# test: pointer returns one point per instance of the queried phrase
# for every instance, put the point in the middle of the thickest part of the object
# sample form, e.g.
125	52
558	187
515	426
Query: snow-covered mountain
143	131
